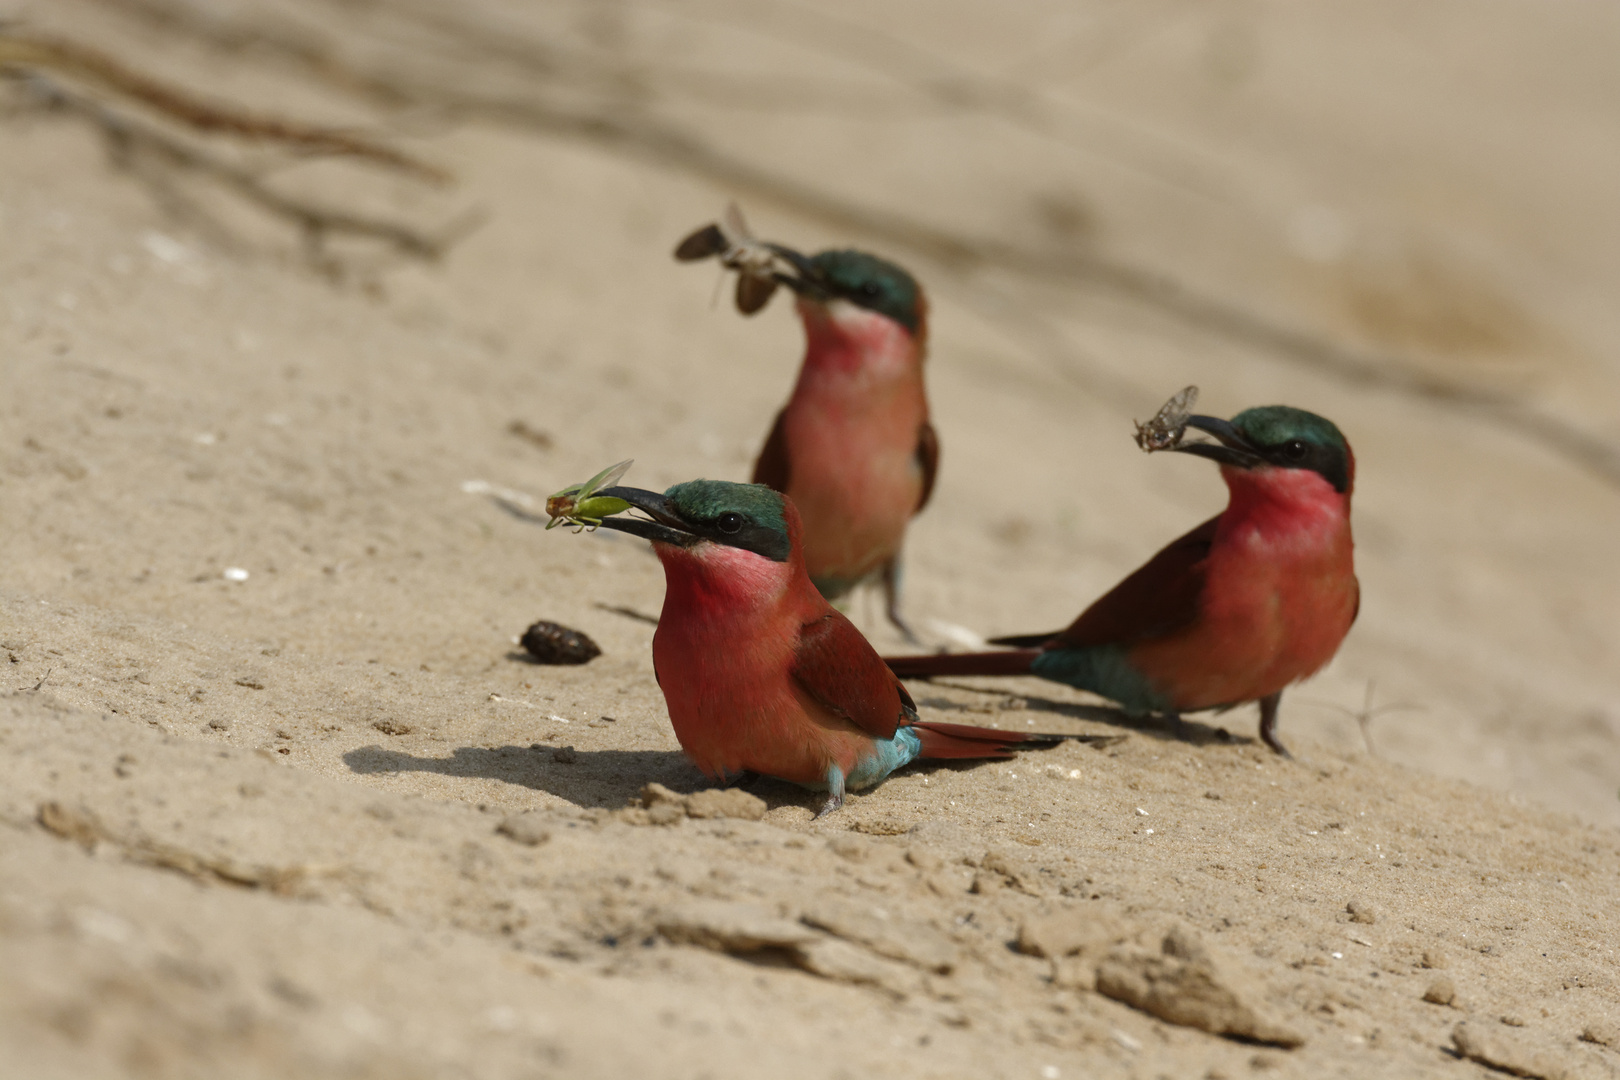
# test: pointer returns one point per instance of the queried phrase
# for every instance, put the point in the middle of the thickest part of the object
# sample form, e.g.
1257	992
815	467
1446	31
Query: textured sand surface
325	820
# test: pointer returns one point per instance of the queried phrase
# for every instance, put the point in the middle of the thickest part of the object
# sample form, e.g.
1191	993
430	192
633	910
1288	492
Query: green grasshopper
578	504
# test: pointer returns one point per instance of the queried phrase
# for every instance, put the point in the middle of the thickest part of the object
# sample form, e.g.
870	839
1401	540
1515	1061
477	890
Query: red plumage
762	675
1236	610
853	447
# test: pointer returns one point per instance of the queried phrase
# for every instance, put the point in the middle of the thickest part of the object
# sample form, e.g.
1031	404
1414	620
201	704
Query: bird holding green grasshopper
760	673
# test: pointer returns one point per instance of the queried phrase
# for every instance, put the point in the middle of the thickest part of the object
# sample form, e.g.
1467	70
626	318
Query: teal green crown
873	283
714	507
1273	425
1326	451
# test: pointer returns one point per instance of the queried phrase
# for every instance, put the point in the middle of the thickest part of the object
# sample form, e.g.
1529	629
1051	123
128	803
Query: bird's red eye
729	522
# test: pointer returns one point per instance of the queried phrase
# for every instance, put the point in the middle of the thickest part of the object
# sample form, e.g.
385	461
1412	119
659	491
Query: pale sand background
1402	216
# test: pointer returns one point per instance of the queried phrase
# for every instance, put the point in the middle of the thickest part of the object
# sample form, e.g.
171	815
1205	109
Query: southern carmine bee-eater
760	673
1249	602
853	447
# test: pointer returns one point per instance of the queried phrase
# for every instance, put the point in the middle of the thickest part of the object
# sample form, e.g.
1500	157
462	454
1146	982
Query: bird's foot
1268	724
835	790
891	602
745	780
906	632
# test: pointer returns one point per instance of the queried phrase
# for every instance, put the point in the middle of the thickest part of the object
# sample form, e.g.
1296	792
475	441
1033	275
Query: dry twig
31	54
129	139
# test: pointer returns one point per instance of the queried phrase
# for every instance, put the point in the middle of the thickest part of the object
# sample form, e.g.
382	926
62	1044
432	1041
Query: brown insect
756	262
1169	424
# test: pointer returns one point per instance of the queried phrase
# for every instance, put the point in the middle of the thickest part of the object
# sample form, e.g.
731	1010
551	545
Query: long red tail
1002	662
968	741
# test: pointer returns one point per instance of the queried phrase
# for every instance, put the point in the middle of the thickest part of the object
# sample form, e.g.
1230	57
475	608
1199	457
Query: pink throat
712	581
1272	499
844	339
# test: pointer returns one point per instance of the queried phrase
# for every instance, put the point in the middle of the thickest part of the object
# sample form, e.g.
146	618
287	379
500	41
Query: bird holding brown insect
853	447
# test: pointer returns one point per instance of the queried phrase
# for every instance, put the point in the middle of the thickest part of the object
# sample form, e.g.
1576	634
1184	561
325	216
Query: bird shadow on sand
586	778
1193	732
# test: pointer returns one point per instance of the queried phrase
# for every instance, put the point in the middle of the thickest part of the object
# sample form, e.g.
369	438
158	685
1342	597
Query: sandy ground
324	821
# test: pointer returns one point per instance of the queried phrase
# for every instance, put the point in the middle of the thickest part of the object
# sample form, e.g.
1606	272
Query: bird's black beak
666	526
1231	449
805	280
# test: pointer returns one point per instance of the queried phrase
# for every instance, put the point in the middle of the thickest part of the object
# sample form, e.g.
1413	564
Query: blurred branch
95	67
617	120
128	139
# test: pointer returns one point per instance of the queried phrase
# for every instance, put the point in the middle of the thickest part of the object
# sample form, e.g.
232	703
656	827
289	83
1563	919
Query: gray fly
1169	424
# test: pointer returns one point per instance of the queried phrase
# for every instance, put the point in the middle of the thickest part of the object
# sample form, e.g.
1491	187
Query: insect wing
736	227
753	292
706	243
1174	413
606	478
1168	425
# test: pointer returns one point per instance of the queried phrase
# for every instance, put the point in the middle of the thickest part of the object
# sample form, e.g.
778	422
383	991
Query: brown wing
840	669
773	469
1160	597
928	458
705	243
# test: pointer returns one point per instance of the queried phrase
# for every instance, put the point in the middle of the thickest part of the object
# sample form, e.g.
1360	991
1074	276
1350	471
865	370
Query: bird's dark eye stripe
1292	450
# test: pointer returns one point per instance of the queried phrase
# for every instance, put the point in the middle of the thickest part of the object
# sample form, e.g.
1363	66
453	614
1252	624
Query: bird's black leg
1268	723
891	599
1178	726
745	780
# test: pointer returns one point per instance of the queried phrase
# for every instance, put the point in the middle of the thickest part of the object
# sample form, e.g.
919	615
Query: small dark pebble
553	643
565	755
391	727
